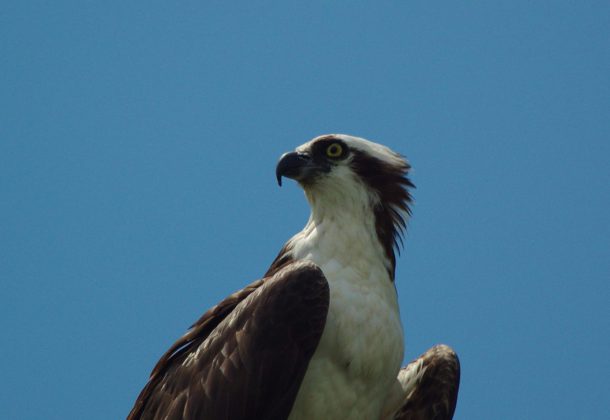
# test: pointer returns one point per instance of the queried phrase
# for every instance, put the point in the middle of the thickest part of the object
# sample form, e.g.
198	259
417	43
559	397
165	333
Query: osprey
319	336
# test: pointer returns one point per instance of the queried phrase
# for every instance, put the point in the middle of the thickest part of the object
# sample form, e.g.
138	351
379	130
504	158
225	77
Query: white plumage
357	361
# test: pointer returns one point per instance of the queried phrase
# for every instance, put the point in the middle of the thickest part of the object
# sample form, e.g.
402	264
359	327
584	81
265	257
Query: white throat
341	228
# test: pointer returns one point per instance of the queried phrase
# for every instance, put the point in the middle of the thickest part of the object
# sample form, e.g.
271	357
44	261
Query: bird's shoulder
290	305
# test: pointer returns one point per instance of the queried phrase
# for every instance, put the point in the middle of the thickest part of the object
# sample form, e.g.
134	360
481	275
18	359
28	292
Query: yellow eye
334	150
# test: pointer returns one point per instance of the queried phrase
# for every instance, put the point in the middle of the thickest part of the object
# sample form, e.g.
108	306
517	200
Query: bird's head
342	174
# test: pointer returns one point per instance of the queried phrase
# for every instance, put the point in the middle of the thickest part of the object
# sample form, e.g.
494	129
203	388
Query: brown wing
246	357
431	384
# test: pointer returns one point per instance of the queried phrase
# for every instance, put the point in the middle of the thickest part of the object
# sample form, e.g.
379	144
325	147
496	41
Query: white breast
359	355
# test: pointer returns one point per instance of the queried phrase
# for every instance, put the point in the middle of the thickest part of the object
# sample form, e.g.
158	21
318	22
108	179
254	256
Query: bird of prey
319	335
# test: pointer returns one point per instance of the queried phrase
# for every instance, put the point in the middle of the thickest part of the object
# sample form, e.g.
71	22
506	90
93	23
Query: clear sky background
138	142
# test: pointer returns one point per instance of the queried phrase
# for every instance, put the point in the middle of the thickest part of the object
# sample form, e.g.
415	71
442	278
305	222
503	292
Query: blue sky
137	151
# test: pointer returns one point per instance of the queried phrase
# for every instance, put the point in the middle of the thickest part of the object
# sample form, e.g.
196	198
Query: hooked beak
294	165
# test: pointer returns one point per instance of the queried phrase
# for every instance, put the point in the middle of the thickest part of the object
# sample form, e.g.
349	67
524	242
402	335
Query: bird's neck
341	231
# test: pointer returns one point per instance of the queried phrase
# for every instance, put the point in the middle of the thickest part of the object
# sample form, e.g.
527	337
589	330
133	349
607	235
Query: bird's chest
360	351
361	348
363	331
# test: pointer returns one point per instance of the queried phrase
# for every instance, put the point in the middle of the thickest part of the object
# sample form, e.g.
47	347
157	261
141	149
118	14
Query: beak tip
291	165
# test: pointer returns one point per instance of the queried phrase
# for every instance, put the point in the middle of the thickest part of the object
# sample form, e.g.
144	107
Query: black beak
294	165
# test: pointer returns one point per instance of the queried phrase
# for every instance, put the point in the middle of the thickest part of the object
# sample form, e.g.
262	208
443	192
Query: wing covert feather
246	357
431	383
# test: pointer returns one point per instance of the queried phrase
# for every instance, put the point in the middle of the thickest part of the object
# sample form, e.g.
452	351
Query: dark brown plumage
392	185
435	395
282	315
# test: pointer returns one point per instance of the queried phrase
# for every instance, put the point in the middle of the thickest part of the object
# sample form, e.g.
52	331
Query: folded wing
246	357
430	385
